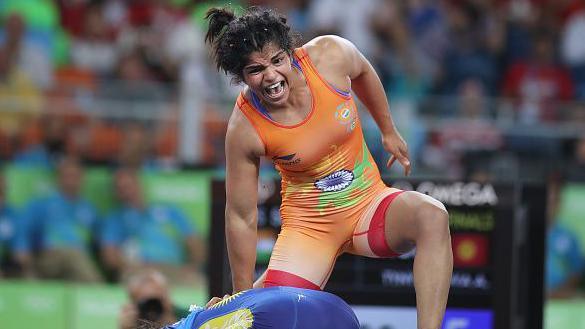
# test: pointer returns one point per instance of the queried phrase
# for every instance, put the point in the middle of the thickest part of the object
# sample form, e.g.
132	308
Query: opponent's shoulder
242	135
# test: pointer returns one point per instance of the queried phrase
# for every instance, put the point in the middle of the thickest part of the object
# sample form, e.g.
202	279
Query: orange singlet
333	199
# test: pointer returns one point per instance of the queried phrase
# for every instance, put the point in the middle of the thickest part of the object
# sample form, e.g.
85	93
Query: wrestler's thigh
407	215
369	235
307	255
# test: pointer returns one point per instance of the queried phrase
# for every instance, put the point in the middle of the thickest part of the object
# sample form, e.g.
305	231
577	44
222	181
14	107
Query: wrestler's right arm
243	149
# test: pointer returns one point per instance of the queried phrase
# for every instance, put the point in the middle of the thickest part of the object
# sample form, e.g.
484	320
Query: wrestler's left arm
367	86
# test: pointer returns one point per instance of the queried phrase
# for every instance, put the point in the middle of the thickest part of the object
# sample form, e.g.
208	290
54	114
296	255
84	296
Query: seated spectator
142	235
404	68
20	100
59	229
133	91
29	56
472	133
150	301
539	83
576	167
94	47
469	55
8	228
565	264
572	47
137	149
51	146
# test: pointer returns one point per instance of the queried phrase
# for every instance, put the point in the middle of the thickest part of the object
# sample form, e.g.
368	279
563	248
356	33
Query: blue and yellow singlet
276	307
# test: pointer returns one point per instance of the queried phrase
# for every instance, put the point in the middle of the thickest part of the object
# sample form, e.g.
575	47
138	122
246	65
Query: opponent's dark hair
233	38
144	324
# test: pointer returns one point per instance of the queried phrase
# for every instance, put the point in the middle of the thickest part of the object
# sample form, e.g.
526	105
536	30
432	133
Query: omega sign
456	194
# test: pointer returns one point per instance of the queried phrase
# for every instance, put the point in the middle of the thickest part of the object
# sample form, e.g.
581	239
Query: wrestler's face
269	73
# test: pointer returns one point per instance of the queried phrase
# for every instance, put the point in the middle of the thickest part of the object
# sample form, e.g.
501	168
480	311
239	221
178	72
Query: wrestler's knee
432	218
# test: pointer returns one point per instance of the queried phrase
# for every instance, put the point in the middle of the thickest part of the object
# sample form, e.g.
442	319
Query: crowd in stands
481	89
101	65
62	236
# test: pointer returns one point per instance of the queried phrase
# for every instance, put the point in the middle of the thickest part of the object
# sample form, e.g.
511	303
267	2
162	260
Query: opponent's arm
341	61
242	162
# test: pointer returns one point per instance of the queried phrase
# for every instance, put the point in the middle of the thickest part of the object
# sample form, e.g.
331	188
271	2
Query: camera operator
150	302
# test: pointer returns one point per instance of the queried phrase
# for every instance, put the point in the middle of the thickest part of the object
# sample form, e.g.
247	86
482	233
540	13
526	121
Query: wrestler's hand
215	300
395	145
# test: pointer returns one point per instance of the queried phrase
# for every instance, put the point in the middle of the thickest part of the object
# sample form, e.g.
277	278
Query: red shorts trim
275	278
376	231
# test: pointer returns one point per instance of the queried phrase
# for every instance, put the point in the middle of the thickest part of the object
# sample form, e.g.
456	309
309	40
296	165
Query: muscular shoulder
332	55
241	137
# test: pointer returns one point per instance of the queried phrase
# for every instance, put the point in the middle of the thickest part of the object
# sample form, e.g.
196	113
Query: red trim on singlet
275	278
376	231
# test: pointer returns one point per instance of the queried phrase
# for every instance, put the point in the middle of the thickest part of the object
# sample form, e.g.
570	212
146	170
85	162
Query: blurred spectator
72	15
473	129
565	264
102	142
296	12
60	228
29	57
153	24
150	302
575	114
20	100
9	222
572	45
427	23
472	132
51	146
347	18
538	83
576	167
522	17
136	149
405	70
94	47
469	55
142	235
133	93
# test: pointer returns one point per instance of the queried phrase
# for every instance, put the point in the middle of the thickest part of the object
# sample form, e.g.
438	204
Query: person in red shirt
538	84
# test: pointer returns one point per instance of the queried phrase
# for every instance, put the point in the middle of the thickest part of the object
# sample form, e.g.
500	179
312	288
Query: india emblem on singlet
336	181
346	115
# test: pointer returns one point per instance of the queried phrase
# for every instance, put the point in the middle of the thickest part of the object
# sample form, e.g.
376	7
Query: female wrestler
297	110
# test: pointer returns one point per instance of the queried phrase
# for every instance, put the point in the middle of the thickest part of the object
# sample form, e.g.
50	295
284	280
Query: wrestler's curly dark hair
233	38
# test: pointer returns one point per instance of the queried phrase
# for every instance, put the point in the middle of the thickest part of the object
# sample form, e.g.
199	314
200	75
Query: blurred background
112	115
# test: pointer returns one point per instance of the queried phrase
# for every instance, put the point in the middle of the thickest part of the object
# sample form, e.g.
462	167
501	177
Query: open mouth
275	90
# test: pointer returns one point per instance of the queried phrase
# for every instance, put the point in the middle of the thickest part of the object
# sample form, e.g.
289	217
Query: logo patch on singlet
238	319
286	160
226	300
285	157
336	181
345	115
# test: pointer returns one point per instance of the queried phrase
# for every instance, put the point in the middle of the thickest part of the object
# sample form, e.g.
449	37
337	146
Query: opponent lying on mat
276	307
